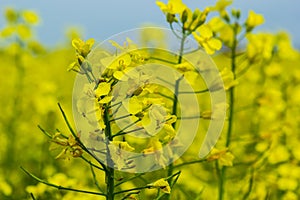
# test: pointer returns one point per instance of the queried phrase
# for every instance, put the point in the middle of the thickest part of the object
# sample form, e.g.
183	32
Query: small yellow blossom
290	196
30	17
5	188
278	154
71	147
227	81
123	145
193	20
23	31
155	147
103	89
7	31
172	7
36	47
221	5
135	106
254	20
224	157
228	78
119	152
11	15
204	36
106	99
83	48
163	185
206	114
37	190
287	183
74	66
260	46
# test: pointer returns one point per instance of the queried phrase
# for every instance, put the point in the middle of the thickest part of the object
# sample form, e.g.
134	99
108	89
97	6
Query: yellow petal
77	43
163	185
11	15
123	145
90	42
134	105
102	89
215	44
7	31
30	17
106	99
254	19
205	31
24	31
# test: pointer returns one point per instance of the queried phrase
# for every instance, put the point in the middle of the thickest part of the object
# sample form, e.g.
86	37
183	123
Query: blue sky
101	19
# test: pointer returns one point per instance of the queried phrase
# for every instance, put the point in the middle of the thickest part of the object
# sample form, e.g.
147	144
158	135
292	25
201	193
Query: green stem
109	172
134	189
122	117
77	138
250	187
95	179
122	132
127	196
194	92
189	163
220	173
166	96
222	170
32	196
60	187
163	60
91	164
175	102
176	175
231	92
129	179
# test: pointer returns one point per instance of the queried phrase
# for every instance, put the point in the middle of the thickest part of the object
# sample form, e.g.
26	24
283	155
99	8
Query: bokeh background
34	78
100	19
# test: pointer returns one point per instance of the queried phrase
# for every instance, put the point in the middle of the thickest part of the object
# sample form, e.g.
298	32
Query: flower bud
184	16
196	13
225	16
171	18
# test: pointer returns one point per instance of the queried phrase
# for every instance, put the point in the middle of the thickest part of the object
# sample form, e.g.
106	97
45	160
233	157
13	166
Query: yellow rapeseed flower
204	36
224	157
83	48
135	105
254	20
172	7
24	31
123	145
103	89
30	17
163	185
7	31
119	153
221	5
11	15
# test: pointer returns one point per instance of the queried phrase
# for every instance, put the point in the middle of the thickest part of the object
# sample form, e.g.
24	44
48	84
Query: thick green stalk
175	102
109	172
222	170
231	91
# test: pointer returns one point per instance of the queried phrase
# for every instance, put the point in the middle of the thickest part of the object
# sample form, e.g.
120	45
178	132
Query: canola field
257	156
